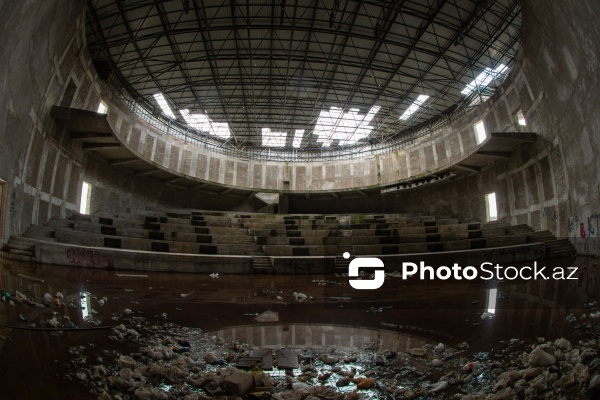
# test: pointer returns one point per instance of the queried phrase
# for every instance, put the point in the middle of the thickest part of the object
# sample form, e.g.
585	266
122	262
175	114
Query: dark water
401	314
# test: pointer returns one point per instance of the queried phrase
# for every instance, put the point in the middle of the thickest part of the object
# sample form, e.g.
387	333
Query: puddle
388	337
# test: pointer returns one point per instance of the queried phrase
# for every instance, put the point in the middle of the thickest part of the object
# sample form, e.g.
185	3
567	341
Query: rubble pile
171	362
50	311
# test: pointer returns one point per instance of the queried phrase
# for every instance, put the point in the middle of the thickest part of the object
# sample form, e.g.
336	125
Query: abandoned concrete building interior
299	199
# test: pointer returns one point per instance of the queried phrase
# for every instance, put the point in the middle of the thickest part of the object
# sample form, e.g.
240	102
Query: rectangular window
520	118
86	195
480	134
3	190
102	108
490	206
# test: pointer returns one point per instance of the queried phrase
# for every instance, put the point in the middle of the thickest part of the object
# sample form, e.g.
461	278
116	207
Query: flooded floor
46	341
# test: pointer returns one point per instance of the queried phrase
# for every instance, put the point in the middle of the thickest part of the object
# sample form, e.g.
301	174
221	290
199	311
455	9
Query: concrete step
21	243
519	229
60	223
540	237
40	231
560	248
253	248
262	264
22	252
35	236
344	233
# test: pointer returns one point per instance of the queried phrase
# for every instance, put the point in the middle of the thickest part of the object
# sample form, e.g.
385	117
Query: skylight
298	137
414	107
346	127
273	139
164	106
202	123
484	79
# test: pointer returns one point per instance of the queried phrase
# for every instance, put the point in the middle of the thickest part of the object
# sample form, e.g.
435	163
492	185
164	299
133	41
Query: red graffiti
582	230
90	258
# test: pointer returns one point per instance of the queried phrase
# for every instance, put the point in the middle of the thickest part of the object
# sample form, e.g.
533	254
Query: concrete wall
44	62
552	184
561	46
442	148
113	191
38	56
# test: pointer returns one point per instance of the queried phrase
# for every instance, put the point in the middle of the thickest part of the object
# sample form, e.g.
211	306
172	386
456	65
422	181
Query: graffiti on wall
551	212
586	228
585	231
90	258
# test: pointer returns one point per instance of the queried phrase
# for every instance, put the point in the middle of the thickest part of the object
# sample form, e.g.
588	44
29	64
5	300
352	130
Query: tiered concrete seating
247	242
448	236
176	233
306	235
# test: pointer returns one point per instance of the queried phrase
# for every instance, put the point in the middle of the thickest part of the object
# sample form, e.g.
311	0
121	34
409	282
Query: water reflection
85	304
261	310
319	337
492	296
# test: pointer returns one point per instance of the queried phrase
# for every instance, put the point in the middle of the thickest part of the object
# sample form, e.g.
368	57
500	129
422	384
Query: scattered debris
268	316
376	310
300	297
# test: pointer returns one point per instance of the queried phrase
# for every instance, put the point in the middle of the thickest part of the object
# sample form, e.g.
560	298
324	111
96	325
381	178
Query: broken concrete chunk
364	383
150	393
330	359
287	359
238	383
539	358
506	394
587	355
212	388
417	352
210	358
263	380
126	362
345	381
563	344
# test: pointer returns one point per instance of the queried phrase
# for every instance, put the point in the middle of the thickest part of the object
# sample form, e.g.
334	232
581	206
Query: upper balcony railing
191	136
